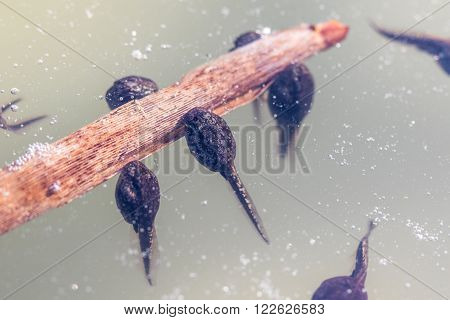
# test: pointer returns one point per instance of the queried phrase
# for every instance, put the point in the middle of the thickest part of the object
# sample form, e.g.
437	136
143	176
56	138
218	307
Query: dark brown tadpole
16	126
138	197
439	48
290	99
129	88
245	38
211	142
349	287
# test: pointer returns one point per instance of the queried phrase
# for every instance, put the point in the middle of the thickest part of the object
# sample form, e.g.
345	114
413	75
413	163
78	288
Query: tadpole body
138	197
17	126
129	88
349	287
290	98
439	48
211	142
245	38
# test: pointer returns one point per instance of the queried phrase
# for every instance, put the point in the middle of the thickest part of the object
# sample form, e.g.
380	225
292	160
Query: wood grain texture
79	162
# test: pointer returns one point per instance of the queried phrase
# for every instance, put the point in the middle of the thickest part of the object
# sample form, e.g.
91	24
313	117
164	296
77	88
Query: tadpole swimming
129	88
349	287
439	48
16	126
138	197
211	142
290	99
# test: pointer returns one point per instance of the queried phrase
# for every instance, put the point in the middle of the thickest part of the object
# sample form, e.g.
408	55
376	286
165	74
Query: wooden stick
52	175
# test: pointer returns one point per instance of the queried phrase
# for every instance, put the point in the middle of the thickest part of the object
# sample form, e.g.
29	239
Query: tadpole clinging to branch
138	197
290	96
245	38
439	48
16	126
349	287
137	190
290	99
211	142
129	88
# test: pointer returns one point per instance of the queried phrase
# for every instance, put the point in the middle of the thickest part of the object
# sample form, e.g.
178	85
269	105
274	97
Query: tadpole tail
246	201
25	123
146	241
362	255
287	138
10	104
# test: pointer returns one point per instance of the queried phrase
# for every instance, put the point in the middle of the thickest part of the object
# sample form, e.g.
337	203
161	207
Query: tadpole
138	197
129	88
17	126
290	96
290	99
245	38
349	287
438	47
211	142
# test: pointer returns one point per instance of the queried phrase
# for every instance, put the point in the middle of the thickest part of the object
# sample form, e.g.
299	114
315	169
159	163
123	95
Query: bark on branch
66	169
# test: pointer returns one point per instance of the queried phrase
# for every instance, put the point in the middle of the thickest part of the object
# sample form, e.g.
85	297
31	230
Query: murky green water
378	148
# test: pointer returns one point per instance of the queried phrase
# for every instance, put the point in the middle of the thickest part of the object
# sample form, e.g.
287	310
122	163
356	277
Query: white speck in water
244	260
14	91
412	123
266	30
74	286
166	46
312	241
138	55
204	202
408	285
54	119
148	48
225	11
14	107
383	261
226	289
89	13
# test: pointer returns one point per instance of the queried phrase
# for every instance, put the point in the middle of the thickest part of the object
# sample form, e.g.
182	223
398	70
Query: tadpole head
129	88
245	38
209	139
138	194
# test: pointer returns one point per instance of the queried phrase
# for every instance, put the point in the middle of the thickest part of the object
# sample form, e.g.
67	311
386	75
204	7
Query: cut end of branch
332	31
